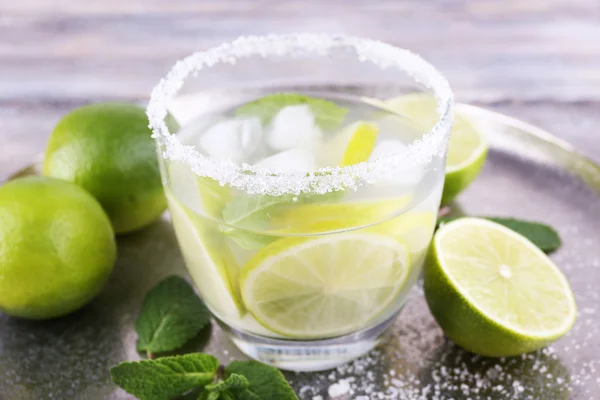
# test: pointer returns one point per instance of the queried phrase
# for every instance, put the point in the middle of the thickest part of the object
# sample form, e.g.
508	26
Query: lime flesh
494	292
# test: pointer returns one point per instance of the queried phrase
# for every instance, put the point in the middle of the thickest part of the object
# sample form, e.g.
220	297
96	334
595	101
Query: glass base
310	355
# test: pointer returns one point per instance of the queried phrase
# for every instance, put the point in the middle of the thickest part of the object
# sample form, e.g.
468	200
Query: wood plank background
535	59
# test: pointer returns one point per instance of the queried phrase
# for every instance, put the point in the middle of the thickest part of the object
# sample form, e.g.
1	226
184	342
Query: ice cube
289	160
408	177
387	147
294	127
233	139
186	108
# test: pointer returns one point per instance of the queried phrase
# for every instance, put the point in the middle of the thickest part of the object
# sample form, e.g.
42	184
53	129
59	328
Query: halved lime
494	292
467	149
211	266
324	287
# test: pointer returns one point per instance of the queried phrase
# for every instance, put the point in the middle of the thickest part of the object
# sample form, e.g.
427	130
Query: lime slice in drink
325	217
467	149
204	193
494	292
214	196
352	145
211	266
413	228
324	287
361	144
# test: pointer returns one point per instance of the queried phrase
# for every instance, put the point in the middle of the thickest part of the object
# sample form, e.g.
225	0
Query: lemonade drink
303	216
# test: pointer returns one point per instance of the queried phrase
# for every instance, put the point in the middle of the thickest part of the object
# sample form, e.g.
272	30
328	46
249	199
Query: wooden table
538	60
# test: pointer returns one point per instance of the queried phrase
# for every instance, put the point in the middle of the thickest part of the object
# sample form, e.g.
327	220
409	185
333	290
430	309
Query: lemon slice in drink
352	145
361	144
494	292
324	287
212	268
467	149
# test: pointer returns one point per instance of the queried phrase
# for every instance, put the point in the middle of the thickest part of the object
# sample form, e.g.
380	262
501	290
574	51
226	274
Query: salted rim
267	181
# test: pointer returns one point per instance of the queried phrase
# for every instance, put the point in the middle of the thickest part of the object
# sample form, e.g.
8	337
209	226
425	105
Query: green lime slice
324	287
209	262
494	292
467	149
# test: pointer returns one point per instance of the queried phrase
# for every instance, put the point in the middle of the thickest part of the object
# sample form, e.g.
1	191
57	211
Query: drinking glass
304	270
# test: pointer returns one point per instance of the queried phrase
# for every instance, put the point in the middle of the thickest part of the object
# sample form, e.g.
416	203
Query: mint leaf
328	115
165	377
234	383
216	396
542	235
248	240
171	315
252	213
264	382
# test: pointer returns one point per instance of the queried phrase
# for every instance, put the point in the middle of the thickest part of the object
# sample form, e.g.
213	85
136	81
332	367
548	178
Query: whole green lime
57	247
108	150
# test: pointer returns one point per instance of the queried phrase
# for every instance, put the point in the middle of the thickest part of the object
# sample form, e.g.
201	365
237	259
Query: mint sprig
165	377
171	315
168	377
328	115
542	235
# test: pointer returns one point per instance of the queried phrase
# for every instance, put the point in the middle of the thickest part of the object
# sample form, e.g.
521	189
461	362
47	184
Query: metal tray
529	174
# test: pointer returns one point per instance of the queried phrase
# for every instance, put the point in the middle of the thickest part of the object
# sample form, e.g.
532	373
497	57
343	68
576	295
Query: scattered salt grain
338	389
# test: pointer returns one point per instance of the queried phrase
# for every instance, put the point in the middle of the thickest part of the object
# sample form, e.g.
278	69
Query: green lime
467	149
209	262
322	287
57	247
494	292
108	150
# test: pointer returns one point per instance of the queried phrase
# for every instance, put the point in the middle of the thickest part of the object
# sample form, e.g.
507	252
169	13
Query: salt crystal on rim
257	181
